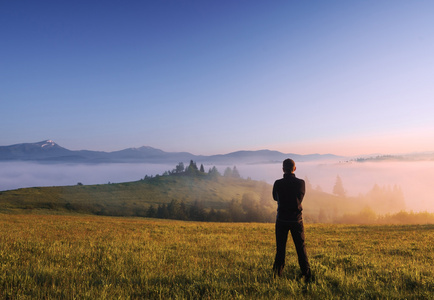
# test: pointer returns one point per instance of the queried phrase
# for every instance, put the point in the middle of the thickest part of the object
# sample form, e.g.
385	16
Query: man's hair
288	165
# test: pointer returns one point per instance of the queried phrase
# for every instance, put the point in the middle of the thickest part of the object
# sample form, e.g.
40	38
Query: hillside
135	198
227	198
198	196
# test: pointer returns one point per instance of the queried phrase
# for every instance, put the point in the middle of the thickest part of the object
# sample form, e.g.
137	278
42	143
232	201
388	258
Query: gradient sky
210	77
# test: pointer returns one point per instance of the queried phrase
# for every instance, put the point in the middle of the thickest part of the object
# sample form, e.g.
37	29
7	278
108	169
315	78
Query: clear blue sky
209	77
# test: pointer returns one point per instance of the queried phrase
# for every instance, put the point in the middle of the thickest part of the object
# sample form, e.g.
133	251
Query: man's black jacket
289	192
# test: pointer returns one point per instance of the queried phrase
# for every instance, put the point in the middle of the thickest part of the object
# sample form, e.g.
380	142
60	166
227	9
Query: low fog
413	178
359	178
14	175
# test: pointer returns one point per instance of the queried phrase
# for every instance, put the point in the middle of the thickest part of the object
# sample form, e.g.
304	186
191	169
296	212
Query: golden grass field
93	257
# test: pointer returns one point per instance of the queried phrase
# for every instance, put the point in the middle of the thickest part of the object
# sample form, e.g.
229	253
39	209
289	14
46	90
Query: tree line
250	208
246	210
192	169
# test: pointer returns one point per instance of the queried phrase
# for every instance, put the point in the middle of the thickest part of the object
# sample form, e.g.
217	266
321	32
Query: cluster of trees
386	199
246	210
364	208
252	207
338	188
339	207
192	170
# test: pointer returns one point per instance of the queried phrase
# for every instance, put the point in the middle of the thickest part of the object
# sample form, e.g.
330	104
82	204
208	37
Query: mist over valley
413	178
48	164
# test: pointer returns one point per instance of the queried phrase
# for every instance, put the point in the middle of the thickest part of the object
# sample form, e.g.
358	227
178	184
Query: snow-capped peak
48	143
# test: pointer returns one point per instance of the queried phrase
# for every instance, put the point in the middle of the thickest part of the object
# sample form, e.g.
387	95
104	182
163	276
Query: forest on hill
191	193
186	193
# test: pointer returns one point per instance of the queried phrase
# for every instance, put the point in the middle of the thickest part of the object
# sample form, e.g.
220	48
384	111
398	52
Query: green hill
135	198
196	195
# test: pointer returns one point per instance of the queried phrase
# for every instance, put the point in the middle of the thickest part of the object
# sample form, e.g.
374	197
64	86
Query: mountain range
50	152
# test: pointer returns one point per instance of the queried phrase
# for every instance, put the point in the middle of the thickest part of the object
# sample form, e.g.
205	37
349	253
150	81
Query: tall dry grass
89	257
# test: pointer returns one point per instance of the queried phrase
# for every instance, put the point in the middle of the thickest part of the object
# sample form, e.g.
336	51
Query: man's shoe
308	278
278	271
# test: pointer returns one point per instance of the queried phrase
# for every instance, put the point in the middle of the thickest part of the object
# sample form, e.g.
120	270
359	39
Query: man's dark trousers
297	232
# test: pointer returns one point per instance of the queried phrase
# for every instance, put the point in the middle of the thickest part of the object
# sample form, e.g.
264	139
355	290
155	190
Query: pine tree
338	189
213	172
227	172
235	173
179	168
152	212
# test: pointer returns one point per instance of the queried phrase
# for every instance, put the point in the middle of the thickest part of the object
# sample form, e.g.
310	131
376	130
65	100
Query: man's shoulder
292	178
279	181
299	179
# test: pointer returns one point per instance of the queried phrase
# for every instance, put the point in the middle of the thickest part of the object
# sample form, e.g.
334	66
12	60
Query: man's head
288	166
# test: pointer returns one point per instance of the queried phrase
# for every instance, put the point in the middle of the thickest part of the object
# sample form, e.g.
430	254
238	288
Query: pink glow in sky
392	142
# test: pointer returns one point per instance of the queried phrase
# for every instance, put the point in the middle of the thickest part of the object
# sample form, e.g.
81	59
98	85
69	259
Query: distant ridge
49	151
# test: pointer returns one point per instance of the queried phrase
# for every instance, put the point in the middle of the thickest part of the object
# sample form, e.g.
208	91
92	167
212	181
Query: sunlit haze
414	178
211	77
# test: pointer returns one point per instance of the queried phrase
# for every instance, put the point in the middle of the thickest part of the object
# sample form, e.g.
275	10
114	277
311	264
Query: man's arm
275	195
302	190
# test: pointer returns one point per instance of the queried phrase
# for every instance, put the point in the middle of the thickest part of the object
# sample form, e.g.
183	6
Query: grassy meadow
134	198
96	257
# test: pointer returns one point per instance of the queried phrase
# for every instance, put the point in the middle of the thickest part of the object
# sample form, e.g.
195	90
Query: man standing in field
289	192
